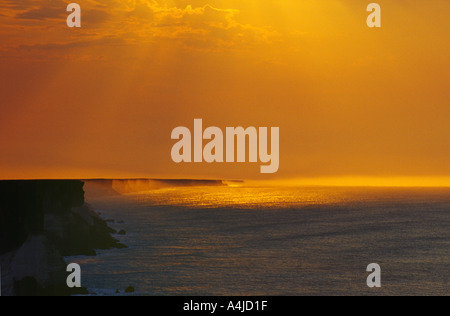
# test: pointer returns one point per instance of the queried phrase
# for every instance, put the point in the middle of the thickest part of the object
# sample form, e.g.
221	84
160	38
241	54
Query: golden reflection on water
258	197
247	197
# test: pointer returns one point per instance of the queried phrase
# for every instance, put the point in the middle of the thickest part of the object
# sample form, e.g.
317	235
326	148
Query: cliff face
41	221
99	188
24	204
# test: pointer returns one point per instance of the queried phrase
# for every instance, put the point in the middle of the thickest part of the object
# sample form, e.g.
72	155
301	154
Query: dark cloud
35	10
95	16
17	5
42	14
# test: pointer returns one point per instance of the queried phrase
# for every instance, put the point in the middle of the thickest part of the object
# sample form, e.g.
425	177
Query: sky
101	101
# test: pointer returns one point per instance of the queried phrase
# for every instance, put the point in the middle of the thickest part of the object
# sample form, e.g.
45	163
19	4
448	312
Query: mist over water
274	241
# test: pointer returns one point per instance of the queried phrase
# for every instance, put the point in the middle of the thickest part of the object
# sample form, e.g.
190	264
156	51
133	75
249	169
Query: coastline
41	222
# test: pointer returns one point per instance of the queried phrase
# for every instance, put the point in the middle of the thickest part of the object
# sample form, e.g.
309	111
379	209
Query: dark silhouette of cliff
41	221
23	205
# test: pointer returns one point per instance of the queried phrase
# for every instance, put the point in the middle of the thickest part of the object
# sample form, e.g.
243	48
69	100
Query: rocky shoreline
41	221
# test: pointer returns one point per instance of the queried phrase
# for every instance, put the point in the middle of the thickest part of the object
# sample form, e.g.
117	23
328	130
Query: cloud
191	25
95	16
41	14
17	5
137	22
34	10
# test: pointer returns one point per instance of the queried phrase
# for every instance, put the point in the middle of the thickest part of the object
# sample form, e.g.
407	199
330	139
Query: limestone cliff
40	222
105	187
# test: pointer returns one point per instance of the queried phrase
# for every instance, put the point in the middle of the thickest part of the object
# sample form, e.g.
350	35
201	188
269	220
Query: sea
273	241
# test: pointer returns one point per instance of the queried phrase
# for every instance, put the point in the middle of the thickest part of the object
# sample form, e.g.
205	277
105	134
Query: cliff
105	187
40	222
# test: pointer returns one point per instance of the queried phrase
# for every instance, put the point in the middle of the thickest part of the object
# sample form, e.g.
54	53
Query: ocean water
274	241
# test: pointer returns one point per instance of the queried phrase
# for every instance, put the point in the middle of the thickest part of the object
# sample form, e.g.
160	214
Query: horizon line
342	181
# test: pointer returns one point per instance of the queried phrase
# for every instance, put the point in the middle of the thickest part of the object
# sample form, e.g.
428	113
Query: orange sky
101	101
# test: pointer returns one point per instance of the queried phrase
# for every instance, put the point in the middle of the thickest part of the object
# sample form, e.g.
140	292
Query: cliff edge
40	222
